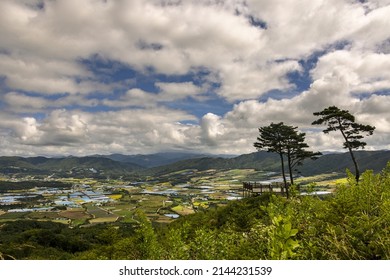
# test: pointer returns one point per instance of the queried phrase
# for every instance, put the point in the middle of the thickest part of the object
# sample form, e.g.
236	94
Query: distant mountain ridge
69	166
116	165
337	162
157	159
258	160
367	160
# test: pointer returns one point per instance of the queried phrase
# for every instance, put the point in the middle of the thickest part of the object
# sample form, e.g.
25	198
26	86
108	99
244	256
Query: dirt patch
104	220
74	215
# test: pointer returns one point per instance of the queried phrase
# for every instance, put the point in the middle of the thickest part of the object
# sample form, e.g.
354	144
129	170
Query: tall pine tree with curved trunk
343	121
287	142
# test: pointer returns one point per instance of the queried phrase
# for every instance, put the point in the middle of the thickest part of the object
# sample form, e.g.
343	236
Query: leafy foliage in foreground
354	223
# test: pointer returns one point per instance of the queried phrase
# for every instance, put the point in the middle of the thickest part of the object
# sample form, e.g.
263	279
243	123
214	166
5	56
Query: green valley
177	211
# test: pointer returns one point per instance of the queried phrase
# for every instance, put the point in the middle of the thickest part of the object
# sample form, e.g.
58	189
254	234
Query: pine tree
343	121
287	142
296	151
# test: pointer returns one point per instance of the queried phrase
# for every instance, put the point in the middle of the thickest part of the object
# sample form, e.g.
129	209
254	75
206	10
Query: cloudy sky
115	76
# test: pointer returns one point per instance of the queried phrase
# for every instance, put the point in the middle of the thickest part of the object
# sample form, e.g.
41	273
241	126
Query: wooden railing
257	188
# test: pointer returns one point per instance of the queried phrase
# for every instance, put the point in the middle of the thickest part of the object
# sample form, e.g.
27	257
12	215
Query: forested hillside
68	166
120	165
335	162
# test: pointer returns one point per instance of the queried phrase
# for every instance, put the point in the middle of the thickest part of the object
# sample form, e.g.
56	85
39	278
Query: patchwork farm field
77	216
162	199
100	215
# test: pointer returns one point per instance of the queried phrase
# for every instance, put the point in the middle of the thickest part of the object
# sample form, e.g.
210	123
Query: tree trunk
357	172
290	169
284	174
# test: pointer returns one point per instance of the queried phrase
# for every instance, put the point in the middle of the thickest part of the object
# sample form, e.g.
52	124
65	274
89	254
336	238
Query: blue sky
100	77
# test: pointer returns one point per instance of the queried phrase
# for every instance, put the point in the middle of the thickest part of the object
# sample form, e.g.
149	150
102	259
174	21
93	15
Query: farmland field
182	193
100	215
109	219
74	214
183	210
43	215
13	216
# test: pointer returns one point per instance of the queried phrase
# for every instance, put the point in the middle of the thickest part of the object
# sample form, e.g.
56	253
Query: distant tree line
6	186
